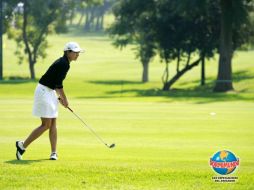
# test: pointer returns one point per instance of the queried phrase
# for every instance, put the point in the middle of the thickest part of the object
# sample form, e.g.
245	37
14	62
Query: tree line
184	33
30	22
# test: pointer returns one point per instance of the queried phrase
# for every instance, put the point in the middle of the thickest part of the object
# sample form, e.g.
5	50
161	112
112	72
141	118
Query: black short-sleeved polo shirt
56	73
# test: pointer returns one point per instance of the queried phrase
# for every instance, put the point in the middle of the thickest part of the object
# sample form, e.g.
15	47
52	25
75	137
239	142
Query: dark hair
65	52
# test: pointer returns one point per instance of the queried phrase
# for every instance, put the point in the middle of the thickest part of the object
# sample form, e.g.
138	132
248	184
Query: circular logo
224	162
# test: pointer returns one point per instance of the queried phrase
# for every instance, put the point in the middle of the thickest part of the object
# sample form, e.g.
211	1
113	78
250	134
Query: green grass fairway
158	146
164	140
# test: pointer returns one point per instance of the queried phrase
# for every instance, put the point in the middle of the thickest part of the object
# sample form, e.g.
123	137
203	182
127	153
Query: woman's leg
53	135
45	124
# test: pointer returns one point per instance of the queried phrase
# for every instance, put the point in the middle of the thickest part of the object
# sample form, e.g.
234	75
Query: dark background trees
91	13
1	40
187	32
95	12
29	23
133	25
183	33
235	30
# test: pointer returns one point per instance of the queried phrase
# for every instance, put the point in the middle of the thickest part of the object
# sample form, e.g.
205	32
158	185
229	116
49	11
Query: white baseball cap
73	46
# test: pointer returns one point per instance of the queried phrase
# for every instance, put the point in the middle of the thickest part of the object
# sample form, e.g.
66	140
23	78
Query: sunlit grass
158	146
164	140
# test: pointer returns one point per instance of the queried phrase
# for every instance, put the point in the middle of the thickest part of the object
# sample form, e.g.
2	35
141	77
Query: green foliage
8	7
133	25
157	26
95	12
18	53
30	22
242	23
178	31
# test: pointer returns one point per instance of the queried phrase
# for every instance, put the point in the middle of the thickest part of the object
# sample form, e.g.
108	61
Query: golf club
95	134
98	137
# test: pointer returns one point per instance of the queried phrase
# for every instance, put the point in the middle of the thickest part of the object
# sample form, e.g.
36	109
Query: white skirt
45	102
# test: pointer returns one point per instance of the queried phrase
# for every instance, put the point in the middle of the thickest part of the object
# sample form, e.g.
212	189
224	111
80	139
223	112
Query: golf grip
66	107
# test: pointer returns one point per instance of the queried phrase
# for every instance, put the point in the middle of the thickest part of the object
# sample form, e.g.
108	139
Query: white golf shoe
53	156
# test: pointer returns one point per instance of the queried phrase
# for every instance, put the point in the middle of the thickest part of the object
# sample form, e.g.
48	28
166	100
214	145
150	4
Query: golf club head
111	146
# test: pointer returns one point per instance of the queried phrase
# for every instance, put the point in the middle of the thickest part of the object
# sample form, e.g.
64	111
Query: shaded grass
16	80
106	72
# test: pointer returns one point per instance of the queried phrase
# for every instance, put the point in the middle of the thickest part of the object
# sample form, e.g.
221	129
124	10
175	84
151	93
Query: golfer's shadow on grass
24	162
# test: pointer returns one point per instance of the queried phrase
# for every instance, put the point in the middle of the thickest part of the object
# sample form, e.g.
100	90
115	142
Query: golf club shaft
95	134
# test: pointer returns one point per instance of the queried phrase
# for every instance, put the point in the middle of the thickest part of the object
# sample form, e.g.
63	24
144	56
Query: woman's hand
64	102
62	98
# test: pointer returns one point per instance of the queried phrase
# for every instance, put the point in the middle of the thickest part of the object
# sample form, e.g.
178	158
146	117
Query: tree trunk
102	22
145	65
224	78
25	38
1	41
72	16
202	71
168	84
81	17
31	68
87	22
97	26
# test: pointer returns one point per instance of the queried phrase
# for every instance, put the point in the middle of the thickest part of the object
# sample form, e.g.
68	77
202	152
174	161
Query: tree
95	11
234	17
6	12
1	40
186	36
30	26
186	32
159	27
133	26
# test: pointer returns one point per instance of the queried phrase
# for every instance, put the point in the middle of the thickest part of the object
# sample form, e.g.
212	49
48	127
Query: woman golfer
47	93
